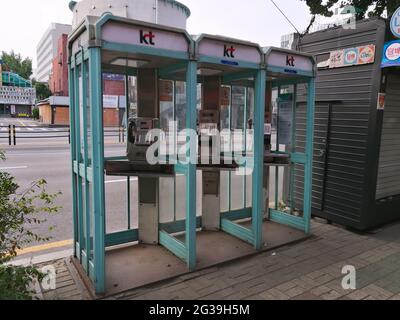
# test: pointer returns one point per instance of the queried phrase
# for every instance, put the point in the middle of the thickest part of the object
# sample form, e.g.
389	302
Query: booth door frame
305	159
88	166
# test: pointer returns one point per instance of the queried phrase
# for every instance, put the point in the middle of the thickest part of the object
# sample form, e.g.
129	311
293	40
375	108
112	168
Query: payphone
139	139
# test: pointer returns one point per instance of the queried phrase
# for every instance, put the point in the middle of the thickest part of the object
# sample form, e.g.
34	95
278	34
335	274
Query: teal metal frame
245	70
90	214
305	159
87	162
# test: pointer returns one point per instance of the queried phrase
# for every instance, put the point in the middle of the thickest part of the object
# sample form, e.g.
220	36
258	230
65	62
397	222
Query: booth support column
73	154
98	200
191	177
309	155
259	112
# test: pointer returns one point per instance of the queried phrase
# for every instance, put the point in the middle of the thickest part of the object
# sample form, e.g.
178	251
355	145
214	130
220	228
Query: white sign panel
110	101
143	36
229	52
395	23
290	62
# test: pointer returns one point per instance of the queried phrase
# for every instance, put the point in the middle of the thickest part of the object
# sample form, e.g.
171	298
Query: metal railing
14	134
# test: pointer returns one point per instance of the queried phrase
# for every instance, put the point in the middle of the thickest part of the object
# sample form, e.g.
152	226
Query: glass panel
238	125
249	145
225	119
249	191
224	189
237	191
134	197
88	115
81	112
180	116
90	208
167	116
116	204
250	121
167	206
199	191
180	197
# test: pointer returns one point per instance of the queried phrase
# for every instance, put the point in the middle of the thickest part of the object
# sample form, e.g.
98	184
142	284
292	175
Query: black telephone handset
131	130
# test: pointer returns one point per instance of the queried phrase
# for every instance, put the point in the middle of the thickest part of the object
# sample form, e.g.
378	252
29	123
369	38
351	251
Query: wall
111	118
114	87
58	81
45	114
61	116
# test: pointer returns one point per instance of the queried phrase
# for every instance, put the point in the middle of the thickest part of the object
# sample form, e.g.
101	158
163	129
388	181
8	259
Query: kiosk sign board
391	54
144	36
291	63
228	52
395	23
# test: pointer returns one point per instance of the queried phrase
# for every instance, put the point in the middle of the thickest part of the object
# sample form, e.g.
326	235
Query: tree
20	212
42	90
378	7
13	62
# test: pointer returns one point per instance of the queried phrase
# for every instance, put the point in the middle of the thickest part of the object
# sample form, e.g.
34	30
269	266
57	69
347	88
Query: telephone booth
232	78
191	182
288	155
142	52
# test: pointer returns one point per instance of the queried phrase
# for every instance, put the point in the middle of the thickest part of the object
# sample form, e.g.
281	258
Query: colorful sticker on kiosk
366	54
350	56
336	59
381	101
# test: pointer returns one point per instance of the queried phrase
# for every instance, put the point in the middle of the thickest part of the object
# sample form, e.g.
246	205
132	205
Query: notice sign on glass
285	119
352	57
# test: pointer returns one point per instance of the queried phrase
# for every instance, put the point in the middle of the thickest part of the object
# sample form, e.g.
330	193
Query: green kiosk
202	107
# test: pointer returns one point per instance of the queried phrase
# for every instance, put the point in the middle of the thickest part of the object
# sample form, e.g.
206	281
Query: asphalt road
50	160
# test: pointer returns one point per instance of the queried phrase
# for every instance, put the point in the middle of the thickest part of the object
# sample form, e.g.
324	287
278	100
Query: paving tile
274	294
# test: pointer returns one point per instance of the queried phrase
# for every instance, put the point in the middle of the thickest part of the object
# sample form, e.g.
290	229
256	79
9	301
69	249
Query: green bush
20	212
35	114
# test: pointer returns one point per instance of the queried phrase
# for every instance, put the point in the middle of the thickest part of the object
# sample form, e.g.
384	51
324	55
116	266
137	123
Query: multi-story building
58	81
47	50
16	95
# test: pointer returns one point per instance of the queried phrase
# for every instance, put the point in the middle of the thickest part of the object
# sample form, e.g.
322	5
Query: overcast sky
23	22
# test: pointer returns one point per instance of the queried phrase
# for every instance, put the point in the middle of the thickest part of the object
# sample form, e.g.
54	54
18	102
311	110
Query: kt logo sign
147	38
290	61
229	51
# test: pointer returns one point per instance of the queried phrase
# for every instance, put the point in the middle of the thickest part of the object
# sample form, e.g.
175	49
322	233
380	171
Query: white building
165	12
47	50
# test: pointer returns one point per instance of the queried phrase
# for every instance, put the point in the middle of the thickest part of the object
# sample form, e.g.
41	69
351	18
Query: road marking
119	181
23	124
14	168
36	154
47	246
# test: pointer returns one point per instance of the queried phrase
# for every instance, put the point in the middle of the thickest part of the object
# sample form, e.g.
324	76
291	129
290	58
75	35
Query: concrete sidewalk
311	270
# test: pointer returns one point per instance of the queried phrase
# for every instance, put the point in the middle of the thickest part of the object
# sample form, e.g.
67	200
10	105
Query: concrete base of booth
136	266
